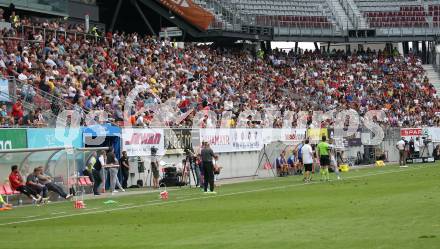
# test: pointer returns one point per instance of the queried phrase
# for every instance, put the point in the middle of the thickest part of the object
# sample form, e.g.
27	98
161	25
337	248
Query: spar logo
144	139
409	132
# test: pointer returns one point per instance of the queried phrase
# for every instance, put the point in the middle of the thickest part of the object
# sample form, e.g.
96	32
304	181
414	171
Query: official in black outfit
97	168
208	167
125	168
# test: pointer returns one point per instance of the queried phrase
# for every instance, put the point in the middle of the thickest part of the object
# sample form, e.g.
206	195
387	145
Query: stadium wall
238	154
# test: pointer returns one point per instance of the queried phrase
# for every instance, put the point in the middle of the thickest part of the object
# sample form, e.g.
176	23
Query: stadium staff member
207	156
307	160
417	146
125	168
112	167
401	147
322	152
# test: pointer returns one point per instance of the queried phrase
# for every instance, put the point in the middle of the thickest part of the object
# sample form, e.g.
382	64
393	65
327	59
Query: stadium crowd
97	73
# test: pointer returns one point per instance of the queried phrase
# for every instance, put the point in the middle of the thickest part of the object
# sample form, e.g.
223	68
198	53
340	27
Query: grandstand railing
33	98
66	33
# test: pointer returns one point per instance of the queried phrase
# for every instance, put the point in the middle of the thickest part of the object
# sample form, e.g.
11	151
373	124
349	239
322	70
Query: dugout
62	164
107	136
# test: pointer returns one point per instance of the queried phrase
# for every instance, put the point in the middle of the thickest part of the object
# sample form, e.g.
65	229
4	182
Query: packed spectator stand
56	68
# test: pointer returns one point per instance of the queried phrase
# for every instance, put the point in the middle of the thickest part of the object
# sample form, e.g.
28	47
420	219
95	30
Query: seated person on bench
4	205
16	182
32	183
281	165
47	181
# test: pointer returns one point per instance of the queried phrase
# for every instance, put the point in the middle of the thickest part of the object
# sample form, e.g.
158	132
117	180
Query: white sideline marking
159	202
27	217
92	209
128	204
55	213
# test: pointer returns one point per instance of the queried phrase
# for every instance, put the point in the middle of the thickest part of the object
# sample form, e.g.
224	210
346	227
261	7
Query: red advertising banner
138	142
190	11
411	132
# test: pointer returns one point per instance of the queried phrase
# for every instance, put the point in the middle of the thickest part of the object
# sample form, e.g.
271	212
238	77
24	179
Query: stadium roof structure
303	20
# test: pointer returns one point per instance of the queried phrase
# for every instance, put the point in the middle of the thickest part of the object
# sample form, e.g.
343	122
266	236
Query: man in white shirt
417	148
307	158
401	147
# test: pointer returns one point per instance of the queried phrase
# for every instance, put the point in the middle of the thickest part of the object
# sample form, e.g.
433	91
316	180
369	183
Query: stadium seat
72	181
7	189
87	181
82	181
2	190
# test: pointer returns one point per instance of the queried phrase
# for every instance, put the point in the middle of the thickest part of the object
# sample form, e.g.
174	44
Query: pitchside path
388	207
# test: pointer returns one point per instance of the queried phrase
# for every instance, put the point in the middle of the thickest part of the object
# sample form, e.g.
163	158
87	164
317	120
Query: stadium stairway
363	24
341	15
433	76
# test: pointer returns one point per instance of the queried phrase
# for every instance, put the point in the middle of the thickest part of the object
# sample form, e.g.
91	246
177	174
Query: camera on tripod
426	141
189	155
153	151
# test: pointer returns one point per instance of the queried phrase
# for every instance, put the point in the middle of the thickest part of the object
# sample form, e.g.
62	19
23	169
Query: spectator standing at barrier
307	160
47	181
322	152
16	182
400	145
207	155
33	183
113	168
125	169
97	168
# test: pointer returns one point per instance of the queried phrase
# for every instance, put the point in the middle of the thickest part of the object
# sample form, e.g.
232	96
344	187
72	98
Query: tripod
189	164
425	148
267	160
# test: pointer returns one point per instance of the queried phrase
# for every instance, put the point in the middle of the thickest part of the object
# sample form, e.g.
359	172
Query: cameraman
207	155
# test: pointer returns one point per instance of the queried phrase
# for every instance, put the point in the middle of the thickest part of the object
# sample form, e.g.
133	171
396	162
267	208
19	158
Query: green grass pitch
387	207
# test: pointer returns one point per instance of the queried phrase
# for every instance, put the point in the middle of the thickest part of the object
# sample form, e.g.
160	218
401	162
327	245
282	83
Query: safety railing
24	30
